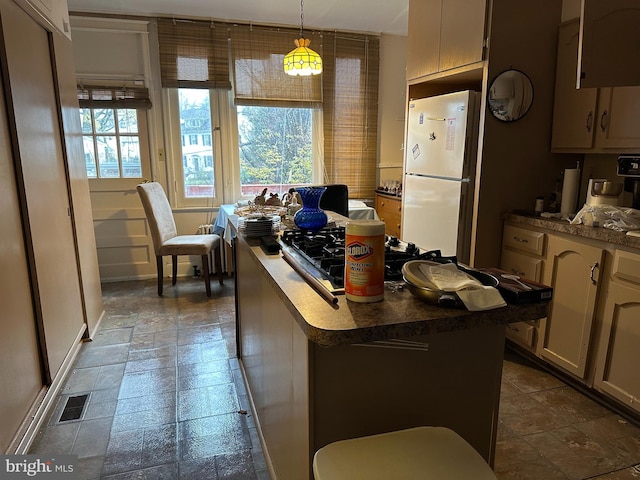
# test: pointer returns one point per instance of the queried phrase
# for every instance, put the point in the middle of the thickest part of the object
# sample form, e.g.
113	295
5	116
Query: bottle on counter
554	197
364	260
539	207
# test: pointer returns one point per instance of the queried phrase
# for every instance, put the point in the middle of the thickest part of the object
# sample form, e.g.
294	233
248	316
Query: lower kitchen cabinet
573	269
522	251
618	352
389	209
592	332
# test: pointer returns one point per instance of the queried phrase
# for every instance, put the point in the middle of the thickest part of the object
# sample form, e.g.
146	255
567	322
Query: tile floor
547	430
166	401
166	397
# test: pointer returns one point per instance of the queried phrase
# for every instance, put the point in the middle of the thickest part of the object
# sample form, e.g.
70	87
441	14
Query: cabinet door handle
593	270
603	121
521	240
589	121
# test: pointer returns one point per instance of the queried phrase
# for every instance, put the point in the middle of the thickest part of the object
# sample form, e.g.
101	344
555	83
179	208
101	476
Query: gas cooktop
322	255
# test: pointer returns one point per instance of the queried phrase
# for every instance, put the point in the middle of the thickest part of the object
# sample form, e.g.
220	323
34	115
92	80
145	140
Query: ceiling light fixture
302	60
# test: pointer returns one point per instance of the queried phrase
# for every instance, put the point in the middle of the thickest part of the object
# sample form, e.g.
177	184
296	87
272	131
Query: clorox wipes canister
364	261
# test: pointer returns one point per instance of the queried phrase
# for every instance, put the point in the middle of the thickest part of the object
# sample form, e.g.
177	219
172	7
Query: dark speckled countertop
563	226
399	315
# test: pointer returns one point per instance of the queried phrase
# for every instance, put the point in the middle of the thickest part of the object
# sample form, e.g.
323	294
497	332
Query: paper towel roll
570	187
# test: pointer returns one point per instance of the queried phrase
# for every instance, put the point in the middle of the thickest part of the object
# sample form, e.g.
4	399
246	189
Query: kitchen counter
318	372
400	314
563	226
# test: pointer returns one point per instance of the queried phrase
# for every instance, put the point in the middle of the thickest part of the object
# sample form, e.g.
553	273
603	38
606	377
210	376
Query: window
194	108
271	130
276	151
111	143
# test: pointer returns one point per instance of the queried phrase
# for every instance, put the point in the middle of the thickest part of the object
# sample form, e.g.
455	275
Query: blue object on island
310	217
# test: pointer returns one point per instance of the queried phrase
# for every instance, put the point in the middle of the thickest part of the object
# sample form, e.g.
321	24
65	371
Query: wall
392	103
53	255
515	160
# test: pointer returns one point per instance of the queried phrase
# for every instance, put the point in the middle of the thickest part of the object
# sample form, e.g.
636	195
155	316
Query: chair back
158	211
336	199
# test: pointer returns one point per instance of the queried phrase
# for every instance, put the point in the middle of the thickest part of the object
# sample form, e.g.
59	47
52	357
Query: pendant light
302	60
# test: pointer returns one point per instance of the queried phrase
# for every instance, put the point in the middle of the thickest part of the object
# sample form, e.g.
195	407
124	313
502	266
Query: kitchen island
318	372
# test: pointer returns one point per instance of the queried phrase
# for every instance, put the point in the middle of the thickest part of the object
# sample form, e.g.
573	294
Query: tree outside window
111	142
275	145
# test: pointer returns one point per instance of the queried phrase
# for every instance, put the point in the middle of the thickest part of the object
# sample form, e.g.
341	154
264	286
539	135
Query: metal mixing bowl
449	299
607	189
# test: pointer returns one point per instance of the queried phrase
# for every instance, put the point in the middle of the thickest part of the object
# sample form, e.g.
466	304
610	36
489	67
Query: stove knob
394	242
411	248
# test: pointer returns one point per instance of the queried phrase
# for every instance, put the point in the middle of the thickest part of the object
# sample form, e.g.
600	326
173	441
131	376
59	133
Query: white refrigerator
439	168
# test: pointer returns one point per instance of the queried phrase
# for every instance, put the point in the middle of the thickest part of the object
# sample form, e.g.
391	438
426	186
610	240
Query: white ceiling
376	16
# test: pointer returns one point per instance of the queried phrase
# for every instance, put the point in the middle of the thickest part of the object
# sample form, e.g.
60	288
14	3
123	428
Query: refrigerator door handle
437	119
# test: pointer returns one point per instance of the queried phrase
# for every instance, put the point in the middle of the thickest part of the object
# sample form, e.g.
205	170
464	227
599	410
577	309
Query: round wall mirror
510	95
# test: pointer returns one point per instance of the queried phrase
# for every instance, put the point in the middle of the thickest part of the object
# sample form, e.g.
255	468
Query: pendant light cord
301	18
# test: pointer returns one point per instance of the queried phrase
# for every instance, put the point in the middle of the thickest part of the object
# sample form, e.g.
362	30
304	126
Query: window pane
197	158
89	156
130	154
85	120
128	121
108	156
275	148
104	120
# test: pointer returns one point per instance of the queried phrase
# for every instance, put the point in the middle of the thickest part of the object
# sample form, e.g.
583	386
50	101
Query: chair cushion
433	453
189	245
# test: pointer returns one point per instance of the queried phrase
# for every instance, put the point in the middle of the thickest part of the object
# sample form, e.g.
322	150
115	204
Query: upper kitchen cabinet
590	120
54	11
618	113
609	46
573	110
444	35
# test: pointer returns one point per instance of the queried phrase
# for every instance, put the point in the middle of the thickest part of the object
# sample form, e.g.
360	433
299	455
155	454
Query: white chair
421	453
166	240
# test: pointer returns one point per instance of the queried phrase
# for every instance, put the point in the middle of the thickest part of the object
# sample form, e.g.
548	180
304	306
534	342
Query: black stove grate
325	251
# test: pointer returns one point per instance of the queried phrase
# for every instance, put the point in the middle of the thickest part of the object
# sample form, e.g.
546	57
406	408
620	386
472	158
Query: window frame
225	150
176	140
317	142
108	183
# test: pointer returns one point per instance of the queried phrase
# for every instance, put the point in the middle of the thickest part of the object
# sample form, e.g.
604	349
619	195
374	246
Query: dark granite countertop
399	315
563	226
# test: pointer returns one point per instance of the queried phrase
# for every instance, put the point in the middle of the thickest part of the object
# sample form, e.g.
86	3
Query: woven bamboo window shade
350	111
97	96
194	54
257	55
347	90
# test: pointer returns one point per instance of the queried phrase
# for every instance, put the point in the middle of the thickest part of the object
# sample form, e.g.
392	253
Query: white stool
425	453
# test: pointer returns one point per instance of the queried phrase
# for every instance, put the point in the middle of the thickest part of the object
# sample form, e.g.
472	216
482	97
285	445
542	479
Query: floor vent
74	407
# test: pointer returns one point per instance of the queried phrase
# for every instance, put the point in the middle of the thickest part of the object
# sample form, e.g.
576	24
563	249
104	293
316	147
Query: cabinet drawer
626	266
523	239
522	332
389	210
522	265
